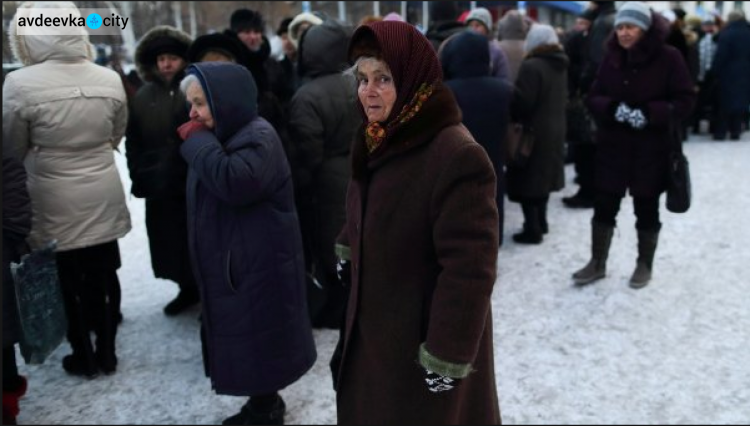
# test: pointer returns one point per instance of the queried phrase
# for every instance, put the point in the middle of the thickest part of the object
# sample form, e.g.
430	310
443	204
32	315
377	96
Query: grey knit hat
636	13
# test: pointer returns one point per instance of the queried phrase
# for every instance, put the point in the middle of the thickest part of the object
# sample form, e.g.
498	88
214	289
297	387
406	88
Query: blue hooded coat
245	242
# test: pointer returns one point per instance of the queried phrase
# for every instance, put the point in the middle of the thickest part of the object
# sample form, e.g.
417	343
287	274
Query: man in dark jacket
732	69
16	227
322	122
157	171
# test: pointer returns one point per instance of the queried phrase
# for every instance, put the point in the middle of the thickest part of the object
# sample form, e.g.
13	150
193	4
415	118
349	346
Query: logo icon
94	21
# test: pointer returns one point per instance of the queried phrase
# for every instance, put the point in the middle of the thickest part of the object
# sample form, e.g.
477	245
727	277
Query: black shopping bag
41	309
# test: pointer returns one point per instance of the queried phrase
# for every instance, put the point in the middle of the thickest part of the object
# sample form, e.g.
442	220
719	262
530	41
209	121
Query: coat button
357	227
626	82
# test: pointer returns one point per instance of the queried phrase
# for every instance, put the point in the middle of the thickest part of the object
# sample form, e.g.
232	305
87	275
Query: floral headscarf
415	68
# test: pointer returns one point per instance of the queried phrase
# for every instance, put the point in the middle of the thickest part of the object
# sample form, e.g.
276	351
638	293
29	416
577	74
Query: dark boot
10	402
184	300
580	200
106	332
601	239
81	362
259	412
647	241
532	230
543	225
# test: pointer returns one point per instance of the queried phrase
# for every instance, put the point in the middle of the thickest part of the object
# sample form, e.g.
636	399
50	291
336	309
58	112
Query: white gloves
632	116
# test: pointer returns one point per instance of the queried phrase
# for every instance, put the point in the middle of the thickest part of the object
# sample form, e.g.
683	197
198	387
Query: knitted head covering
636	13
482	15
414	66
539	35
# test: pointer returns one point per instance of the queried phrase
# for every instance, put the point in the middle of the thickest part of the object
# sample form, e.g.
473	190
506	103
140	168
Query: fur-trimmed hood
30	50
145	64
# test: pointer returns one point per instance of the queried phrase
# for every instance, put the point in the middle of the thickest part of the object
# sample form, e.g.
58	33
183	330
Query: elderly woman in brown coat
422	238
539	102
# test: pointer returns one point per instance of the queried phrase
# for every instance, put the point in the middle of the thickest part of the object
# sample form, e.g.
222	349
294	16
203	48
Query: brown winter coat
422	231
540	101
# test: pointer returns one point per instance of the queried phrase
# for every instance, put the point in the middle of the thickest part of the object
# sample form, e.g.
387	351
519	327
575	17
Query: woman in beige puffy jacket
64	117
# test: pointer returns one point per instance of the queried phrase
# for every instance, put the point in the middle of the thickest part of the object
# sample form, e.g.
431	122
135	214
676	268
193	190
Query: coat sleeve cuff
443	368
343	252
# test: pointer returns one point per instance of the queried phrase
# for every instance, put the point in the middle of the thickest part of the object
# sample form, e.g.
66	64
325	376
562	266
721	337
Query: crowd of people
357	183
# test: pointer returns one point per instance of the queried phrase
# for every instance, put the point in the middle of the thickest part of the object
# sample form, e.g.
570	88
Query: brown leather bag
519	145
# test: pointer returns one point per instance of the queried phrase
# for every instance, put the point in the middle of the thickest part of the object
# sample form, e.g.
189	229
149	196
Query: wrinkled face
478	27
252	38
376	89
628	35
169	65
199	108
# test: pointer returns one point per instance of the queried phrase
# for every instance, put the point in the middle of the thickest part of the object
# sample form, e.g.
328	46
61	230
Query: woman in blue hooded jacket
245	244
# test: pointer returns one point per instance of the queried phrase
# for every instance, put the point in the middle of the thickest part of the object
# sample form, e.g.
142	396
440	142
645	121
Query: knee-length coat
651	76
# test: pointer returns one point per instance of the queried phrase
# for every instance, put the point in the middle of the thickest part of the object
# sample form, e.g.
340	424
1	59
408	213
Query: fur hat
482	15
216	42
298	20
246	19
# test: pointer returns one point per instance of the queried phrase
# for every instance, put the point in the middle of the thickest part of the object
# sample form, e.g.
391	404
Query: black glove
437	383
344	272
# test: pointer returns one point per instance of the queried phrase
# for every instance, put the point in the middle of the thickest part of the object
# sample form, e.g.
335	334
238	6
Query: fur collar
438	112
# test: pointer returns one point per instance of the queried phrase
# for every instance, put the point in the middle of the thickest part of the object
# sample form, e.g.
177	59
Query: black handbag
679	188
41	309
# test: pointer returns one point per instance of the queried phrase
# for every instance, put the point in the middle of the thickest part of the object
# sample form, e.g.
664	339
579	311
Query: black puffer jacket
153	146
322	122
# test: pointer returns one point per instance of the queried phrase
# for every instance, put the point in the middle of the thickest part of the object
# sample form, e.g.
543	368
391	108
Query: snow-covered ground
675	352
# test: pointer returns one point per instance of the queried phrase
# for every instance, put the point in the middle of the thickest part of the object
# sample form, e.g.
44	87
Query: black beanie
284	26
246	19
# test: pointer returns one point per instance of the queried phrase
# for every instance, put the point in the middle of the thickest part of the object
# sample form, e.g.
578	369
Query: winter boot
10	402
184	300
601	238
532	230
543	225
81	362
647	241
106	331
255	413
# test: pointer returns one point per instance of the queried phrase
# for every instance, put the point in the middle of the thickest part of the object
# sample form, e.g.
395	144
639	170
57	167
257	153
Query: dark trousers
92	295
729	121
606	207
584	156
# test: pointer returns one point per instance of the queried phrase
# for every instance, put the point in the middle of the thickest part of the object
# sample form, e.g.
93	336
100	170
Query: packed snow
675	352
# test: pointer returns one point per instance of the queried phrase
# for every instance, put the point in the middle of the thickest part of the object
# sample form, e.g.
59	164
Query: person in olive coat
245	244
641	96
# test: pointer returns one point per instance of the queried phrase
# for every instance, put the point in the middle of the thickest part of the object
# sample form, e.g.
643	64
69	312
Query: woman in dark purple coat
245	244
642	91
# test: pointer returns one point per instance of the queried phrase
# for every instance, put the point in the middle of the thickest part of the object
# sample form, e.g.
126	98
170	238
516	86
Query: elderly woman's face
376	89
199	108
628	35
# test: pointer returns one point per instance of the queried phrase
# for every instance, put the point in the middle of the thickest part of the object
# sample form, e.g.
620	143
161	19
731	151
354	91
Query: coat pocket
228	272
